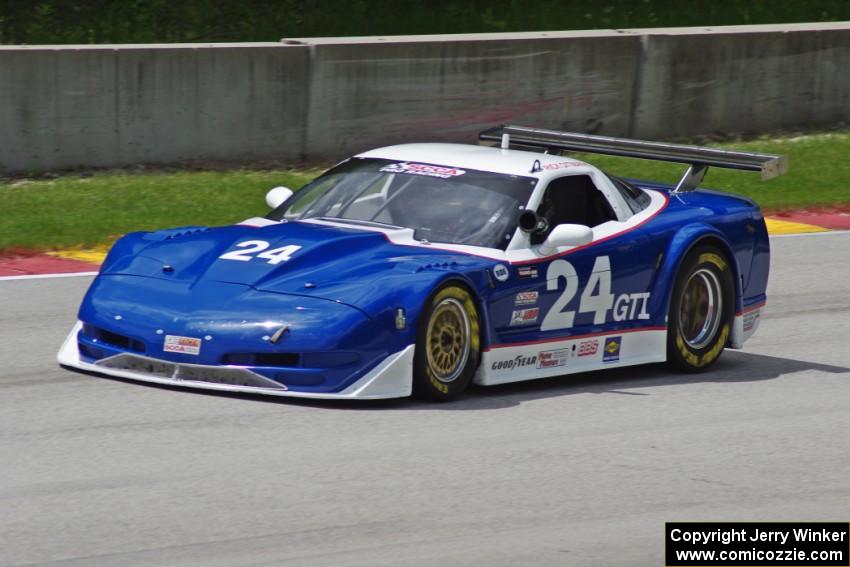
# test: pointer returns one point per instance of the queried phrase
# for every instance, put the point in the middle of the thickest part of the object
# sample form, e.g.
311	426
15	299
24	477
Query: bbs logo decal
588	348
513	363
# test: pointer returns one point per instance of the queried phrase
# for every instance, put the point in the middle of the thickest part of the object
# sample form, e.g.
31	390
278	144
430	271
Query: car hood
347	265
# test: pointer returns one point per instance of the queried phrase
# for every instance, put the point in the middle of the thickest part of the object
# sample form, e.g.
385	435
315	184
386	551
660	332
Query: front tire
448	346
701	310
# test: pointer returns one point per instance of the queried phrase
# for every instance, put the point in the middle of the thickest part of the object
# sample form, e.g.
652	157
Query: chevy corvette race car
418	268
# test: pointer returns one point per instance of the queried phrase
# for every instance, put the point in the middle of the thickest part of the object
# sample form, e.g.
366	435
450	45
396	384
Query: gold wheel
447	340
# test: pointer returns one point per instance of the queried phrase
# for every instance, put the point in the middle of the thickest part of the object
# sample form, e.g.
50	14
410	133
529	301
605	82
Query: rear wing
698	158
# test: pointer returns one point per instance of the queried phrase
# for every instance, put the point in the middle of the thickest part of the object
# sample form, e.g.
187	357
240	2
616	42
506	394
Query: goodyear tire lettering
443	388
713	258
679	353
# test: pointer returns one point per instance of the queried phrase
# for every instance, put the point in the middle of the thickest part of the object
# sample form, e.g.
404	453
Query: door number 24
250	248
625	306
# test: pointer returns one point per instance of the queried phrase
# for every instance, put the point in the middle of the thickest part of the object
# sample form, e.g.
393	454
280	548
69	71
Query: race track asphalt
573	471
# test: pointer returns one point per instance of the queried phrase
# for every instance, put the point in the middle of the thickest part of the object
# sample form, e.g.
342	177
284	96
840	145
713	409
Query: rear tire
448	346
701	310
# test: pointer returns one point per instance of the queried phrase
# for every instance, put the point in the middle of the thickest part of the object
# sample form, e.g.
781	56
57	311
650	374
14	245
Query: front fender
128	245
412	294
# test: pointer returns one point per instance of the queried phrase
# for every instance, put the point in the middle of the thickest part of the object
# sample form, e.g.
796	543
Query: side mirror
275	197
568	235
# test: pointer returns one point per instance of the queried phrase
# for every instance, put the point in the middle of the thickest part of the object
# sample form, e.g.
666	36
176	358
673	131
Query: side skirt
505	363
744	325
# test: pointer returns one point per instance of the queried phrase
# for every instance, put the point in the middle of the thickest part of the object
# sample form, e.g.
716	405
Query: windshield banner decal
423	169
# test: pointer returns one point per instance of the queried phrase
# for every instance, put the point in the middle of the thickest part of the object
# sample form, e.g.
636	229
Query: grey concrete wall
101	106
367	94
744	82
68	106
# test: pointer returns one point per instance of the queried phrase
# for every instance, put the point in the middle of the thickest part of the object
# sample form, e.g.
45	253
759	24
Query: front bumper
391	378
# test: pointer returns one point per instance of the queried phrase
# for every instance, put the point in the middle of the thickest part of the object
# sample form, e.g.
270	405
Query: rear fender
685	240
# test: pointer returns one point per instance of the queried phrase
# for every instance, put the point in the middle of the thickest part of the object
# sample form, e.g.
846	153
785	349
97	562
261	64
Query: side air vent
90	351
113	339
172	233
285	359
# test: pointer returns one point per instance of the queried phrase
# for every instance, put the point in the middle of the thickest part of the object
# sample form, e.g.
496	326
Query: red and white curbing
43	266
821	220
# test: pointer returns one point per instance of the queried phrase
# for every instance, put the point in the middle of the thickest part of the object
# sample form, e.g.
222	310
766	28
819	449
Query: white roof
483	158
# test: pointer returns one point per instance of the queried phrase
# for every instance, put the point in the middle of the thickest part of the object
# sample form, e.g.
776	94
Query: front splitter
392	378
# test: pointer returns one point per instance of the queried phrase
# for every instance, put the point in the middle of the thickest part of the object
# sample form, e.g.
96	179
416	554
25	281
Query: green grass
77	210
818	173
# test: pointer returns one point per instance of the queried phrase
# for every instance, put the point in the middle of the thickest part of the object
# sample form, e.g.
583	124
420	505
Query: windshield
441	204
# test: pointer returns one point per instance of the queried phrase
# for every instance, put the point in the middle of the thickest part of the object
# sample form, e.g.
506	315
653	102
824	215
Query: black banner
757	544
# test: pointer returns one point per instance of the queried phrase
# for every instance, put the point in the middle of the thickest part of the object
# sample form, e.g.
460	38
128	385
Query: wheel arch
427	383
683	243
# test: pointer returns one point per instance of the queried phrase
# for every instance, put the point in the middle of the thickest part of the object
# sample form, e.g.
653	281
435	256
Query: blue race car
418	268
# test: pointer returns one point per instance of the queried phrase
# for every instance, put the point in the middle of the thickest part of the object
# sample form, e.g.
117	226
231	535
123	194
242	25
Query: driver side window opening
573	199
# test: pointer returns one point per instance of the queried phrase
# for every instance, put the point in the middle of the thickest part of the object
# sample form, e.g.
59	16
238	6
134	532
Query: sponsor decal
563	165
500	272
553	358
588	348
611	350
526	298
596	296
184	345
527	271
750	319
518	362
253	249
630	306
524	316
423	169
